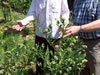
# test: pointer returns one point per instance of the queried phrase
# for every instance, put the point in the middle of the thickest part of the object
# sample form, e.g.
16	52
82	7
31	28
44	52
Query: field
18	51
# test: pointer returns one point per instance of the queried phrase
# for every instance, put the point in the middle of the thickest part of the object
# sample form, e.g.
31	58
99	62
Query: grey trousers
93	57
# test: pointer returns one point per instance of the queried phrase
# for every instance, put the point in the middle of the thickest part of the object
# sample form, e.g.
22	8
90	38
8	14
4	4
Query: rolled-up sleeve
31	15
65	11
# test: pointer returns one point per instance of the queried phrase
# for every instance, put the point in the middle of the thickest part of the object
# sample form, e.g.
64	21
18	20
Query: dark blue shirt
84	12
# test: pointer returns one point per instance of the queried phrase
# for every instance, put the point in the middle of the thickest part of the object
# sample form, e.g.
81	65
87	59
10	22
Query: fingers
19	22
65	29
67	35
68	32
21	28
71	31
18	27
61	27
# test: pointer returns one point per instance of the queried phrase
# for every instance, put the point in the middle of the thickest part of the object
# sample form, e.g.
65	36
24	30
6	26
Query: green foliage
20	5
17	5
17	54
70	56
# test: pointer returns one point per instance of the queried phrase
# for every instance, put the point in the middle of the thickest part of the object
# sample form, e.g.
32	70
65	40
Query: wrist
81	29
20	24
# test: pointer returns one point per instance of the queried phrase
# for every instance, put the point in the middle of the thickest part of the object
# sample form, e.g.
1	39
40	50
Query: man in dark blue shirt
86	23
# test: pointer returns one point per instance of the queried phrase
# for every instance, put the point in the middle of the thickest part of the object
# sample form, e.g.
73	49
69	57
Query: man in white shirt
45	11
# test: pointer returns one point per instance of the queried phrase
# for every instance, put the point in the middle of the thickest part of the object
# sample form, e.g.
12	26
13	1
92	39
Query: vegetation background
18	51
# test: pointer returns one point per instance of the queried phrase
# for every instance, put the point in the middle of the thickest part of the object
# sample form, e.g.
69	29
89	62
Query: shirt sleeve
65	11
31	15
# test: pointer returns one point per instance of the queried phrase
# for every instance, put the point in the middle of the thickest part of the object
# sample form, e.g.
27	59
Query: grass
8	32
6	26
16	16
1	14
22	41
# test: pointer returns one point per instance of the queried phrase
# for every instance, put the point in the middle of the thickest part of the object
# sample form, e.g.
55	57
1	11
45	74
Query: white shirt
45	11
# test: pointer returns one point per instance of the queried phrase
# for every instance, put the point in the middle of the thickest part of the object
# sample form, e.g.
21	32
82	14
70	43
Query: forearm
93	26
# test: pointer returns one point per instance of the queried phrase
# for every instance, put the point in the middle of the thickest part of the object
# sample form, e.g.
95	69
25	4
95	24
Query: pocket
91	10
91	13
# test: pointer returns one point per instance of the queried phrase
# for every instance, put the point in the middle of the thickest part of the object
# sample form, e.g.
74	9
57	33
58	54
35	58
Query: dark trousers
40	41
93	57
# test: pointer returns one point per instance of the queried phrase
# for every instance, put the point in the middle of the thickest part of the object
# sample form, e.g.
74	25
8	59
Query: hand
61	27
19	26
71	31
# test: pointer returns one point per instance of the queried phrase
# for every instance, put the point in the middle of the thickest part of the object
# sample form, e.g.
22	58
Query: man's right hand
19	26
